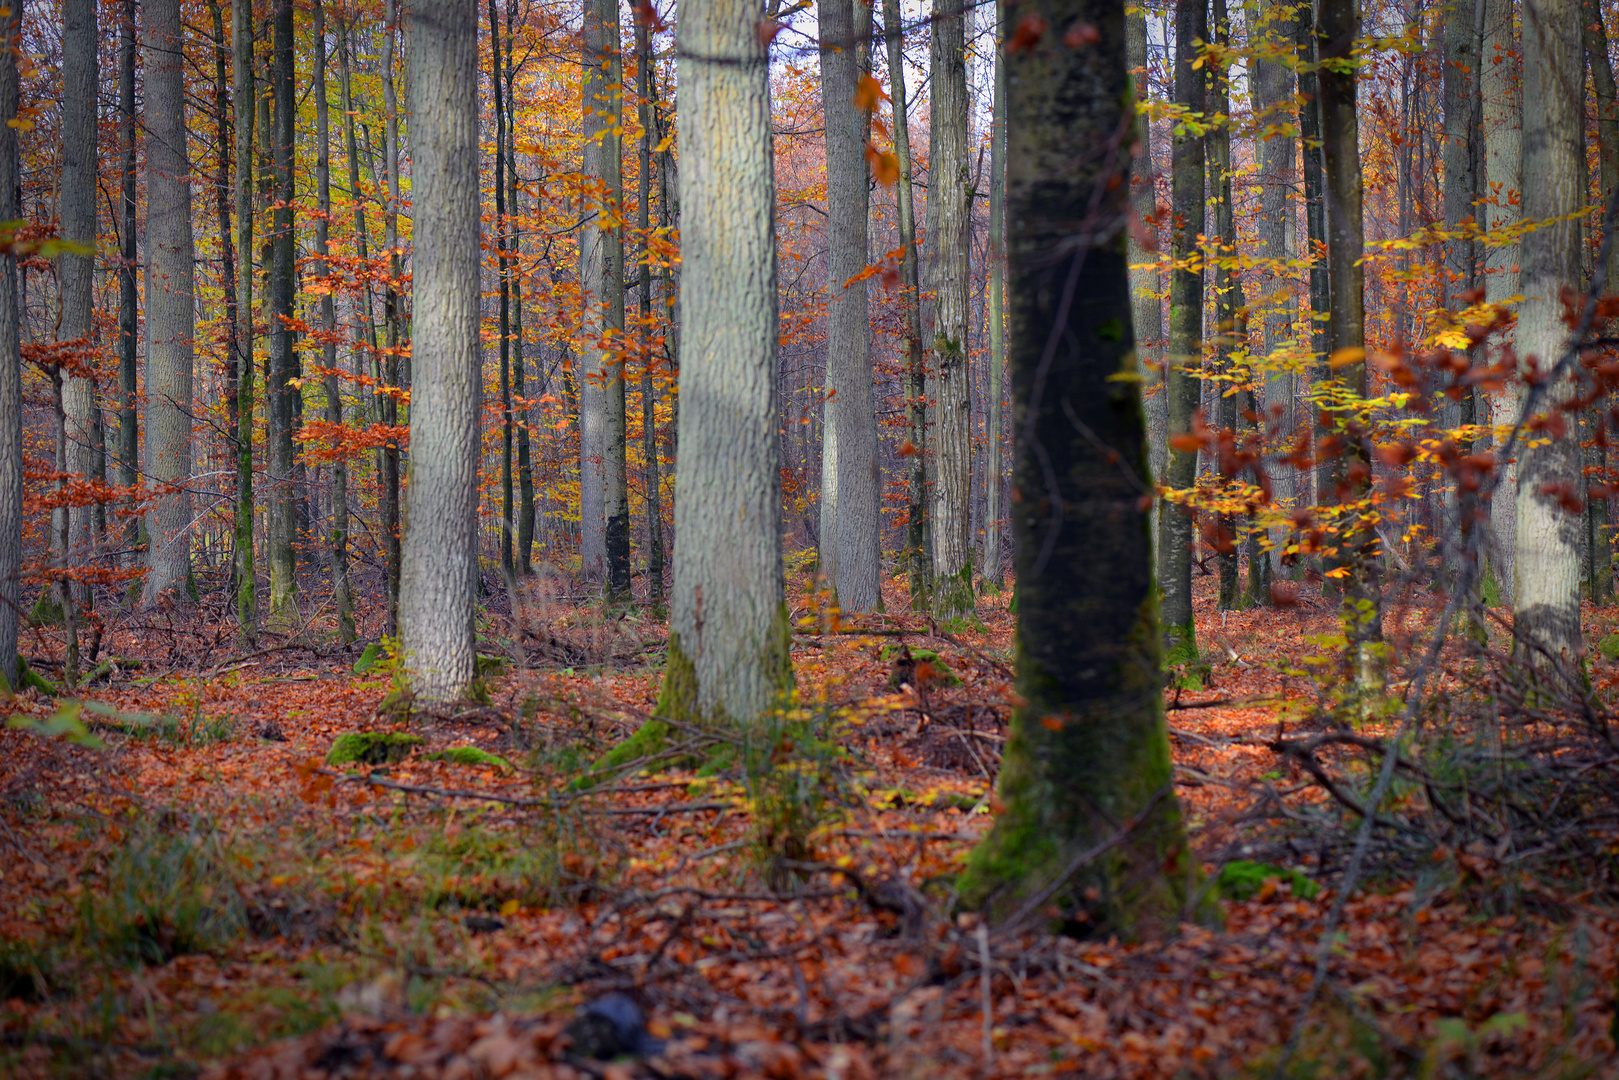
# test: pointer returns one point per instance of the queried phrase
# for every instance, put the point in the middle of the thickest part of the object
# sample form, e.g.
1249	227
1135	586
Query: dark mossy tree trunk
1229	305
525	470
508	561
1185	353
247	610
11	462
283	289
1338	24
128	294
1091	827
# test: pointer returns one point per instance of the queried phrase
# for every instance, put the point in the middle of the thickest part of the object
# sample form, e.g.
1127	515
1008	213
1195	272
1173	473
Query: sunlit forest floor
207	894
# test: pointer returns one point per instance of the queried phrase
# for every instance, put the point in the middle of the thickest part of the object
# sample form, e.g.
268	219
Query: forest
809	538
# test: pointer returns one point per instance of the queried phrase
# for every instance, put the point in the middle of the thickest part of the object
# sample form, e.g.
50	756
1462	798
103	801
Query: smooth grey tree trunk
1502	108
995	300
1184	356
1546	593
851	520
918	559
280	391
392	366
245	93
1087	766
949	240
76	269
604	506
436	613
170	311
128	291
728	629
11	469
647	92
1146	281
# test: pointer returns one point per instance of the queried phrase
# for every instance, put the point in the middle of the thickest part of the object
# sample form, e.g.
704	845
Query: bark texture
949	239
247	613
1088	756
850	515
1146	278
995	301
1502	107
170	312
728	631
440	544
1546	593
76	269
1599	539
10	365
283	270
1184	357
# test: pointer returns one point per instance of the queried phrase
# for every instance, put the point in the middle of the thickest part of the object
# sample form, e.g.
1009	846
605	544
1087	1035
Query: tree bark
283	270
918	559
1184	358
76	268
647	92
392	317
1088	759
1503	113
851	518
995	299
728	629
436	612
1229	305
11	467
1315	221
245	94
170	317
342	599
1600	539
508	563
128	293
1546	605
603	471
949	241
1146	279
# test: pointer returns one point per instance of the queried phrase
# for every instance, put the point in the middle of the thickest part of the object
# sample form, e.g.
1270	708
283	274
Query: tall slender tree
11	466
918	557
728	630
504	274
949	240
76	265
436	612
995	301
1146	279
1184	357
170	305
393	317
338	538
646	91
246	94
1315	221
1229	305
1599	538
128	293
283	271
1090	827
1502	107
603	467
1546	597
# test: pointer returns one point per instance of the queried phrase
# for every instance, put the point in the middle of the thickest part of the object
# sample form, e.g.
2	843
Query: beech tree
1546	595
850	522
1184	354
170	304
11	470
76	267
948	238
1502	108
1090	825
440	543
728	631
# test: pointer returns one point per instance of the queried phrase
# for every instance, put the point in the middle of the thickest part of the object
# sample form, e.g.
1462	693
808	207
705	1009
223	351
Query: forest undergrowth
271	866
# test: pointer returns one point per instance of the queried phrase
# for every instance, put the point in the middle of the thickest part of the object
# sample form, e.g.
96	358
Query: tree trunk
342	600
1546	604
76	269
646	91
949	239
728	629
1185	353
995	300
1088	762
170	313
1228	300
603	470
1607	115
508	563
918	559
11	467
391	525
851	519
436	612
1277	155
245	94
1503	113
283	533
1146	279
1338	25
128	294
1315	220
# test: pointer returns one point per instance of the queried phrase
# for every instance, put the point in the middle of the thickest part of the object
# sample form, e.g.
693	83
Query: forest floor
205	894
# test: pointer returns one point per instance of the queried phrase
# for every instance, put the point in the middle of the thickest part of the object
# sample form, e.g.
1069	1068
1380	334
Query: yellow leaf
509	908
1342	358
